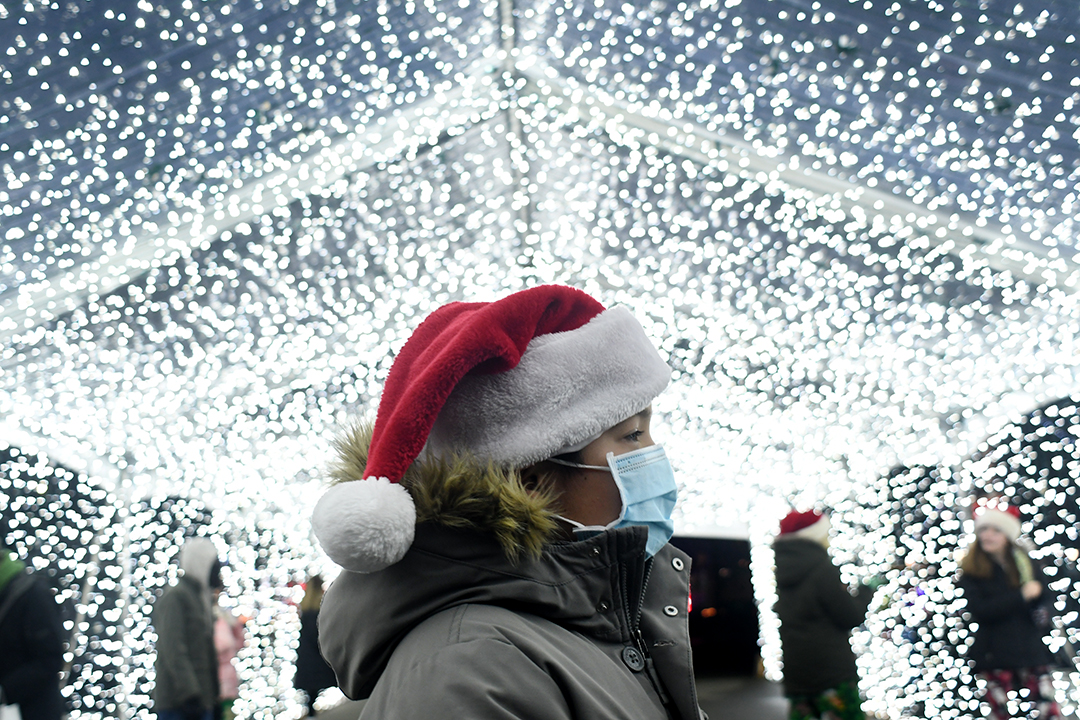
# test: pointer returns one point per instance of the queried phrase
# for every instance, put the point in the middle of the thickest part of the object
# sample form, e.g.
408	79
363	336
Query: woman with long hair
1004	589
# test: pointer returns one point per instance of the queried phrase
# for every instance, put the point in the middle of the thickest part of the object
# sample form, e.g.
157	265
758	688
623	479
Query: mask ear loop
567	463
576	527
618	485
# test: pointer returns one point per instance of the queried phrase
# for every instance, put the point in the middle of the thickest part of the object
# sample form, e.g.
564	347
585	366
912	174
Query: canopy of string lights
850	226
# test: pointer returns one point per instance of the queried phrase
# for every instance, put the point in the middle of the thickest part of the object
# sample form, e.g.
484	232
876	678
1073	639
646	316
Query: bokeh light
850	225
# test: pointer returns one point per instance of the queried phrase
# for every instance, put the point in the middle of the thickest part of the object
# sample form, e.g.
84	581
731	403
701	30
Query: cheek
597	500
600	490
612	500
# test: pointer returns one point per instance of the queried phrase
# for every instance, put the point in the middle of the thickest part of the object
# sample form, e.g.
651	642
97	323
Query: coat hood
365	616
460	492
481	538
797	558
197	557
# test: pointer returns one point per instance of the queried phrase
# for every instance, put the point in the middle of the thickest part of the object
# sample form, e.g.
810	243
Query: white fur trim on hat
1003	521
817	532
567	388
365	525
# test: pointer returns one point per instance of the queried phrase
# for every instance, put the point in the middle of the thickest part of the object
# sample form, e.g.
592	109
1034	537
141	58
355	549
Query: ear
530	478
544	478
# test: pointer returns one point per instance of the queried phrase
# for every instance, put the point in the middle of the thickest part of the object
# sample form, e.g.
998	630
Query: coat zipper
639	638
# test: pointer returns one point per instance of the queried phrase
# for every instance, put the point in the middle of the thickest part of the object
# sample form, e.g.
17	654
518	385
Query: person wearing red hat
1004	592
503	524
817	615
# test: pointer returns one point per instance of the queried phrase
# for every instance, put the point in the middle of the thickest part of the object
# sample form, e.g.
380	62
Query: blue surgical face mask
647	487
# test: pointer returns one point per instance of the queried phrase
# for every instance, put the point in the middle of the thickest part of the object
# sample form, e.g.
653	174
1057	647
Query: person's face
992	540
590	496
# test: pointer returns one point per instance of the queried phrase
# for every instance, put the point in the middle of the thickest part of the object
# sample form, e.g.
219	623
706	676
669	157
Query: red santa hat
512	382
994	512
805	525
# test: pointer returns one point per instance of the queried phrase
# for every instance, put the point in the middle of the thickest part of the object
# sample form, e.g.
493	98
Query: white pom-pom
365	525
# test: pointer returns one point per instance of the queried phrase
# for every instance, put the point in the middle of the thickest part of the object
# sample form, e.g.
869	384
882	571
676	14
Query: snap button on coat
633	658
671	611
677	563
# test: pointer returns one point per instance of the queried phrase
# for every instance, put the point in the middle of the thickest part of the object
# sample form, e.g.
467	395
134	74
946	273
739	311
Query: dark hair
214	580
978	564
313	594
545	474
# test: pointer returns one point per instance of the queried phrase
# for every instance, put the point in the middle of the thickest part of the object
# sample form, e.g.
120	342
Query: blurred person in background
313	675
504	525
187	665
1005	595
228	641
817	614
31	642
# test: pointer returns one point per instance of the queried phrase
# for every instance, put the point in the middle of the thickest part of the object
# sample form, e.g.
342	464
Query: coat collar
446	567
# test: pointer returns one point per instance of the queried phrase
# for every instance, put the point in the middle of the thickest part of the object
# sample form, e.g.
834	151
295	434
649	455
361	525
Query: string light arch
851	226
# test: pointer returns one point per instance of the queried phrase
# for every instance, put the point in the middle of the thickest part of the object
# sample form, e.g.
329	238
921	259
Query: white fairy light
219	224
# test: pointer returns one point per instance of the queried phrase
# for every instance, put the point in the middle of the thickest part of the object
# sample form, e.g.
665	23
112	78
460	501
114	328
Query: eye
635	436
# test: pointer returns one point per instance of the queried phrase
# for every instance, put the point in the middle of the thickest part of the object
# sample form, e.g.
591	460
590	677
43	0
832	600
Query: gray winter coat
186	664
588	630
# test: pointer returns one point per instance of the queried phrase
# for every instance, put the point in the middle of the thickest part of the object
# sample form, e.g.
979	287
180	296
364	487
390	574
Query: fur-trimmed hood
365	616
461	492
481	537
487	549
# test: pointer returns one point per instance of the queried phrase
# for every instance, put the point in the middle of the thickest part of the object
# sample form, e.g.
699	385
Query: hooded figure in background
504	525
186	666
31	642
817	615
